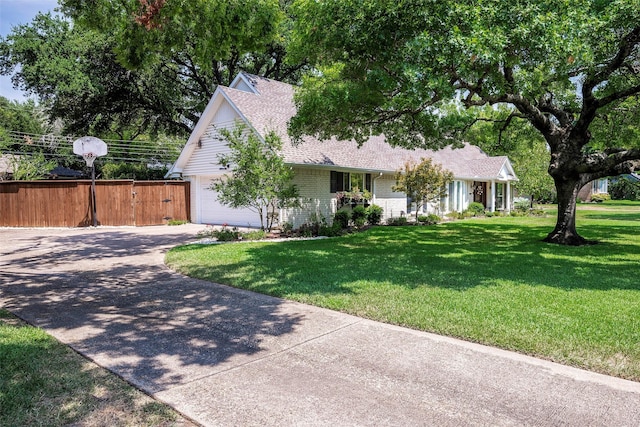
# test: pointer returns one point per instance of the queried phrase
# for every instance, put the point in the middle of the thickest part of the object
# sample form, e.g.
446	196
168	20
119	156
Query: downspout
373	189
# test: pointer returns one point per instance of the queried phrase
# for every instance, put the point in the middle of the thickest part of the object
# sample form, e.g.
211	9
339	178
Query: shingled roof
269	106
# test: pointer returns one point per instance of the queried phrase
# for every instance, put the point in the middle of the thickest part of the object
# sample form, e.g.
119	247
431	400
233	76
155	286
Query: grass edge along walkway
44	382
490	281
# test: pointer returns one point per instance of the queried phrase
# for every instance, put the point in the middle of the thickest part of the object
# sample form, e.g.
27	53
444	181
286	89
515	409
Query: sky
14	13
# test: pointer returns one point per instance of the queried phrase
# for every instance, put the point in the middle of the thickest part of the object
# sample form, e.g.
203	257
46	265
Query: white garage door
213	212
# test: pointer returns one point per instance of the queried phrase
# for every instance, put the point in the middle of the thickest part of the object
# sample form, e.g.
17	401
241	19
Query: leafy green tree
22	117
20	122
568	68
424	183
202	44
259	179
76	76
136	171
31	167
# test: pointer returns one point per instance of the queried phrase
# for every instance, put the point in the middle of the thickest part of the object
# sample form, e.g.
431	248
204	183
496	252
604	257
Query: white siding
194	190
204	160
313	186
393	203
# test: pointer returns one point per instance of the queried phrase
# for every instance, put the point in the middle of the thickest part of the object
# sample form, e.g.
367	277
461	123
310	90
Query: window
339	181
500	195
345	181
356	182
599	186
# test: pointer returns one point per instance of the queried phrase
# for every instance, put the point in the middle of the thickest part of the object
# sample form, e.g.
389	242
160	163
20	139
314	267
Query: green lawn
487	280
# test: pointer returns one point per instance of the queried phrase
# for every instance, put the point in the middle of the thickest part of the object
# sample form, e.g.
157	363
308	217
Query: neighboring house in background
597	186
324	170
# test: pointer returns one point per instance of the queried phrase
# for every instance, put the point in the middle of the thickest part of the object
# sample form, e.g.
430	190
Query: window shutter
333	182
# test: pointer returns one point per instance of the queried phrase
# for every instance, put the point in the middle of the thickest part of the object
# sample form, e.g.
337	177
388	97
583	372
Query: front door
480	192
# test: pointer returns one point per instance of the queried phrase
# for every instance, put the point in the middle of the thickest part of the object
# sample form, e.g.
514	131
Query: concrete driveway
226	357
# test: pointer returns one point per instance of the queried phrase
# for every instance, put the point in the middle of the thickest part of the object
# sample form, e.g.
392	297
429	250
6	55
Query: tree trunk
565	231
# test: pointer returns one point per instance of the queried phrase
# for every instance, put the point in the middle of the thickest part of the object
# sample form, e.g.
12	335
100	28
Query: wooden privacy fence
68	203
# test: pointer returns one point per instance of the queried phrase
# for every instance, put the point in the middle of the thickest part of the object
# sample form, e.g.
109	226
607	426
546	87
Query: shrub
254	235
522	205
359	216
332	230
286	228
308	229
342	217
454	215
138	171
312	226
225	234
207	232
599	198
537	212
430	219
476	209
374	214
624	189
397	221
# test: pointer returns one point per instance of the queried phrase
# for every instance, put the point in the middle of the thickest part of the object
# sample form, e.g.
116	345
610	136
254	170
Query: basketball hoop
89	158
89	148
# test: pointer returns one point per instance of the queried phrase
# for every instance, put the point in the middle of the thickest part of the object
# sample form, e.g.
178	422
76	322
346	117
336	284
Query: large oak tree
423	72
119	69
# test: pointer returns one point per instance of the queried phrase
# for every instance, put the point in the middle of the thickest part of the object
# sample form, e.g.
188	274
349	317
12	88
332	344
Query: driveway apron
223	356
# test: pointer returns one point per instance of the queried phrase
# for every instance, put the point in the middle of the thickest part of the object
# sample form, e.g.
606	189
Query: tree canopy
200	44
121	69
75	74
423	72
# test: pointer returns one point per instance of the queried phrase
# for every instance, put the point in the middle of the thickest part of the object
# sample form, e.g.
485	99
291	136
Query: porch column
493	196
508	196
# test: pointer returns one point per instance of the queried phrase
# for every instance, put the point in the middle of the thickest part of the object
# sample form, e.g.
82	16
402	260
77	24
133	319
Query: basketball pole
93	194
90	147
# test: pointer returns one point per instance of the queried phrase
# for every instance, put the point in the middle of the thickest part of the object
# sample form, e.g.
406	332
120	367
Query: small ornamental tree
259	179
423	183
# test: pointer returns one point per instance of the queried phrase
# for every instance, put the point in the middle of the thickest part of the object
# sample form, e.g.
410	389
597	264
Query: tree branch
590	104
618	95
194	73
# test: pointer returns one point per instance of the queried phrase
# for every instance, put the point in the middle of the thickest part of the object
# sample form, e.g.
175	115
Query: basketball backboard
89	147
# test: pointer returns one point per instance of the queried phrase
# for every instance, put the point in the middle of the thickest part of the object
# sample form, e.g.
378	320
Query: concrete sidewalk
223	356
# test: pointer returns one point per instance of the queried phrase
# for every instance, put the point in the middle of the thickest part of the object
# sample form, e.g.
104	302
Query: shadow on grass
458	256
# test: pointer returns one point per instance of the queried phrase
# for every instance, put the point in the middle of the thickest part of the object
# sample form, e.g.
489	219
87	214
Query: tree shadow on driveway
109	296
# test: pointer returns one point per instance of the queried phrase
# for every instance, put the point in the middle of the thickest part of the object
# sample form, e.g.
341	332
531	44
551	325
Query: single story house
325	169
597	186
